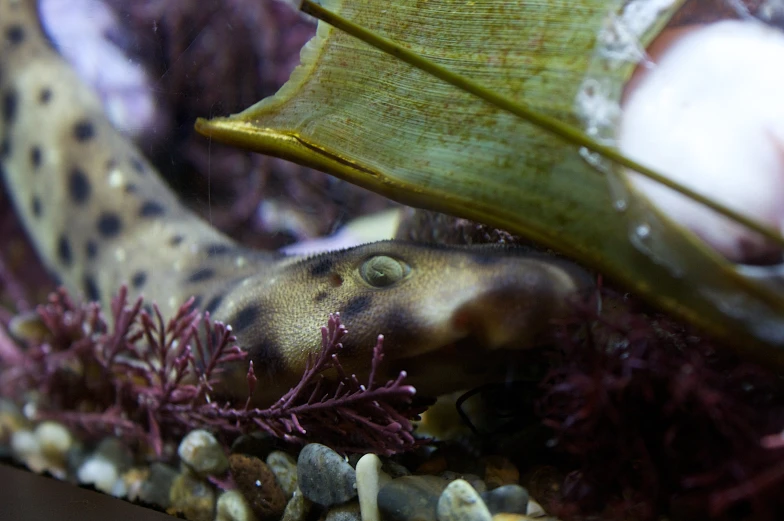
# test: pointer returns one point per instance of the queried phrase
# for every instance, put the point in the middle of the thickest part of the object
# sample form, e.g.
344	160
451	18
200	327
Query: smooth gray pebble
411	498
507	499
324	477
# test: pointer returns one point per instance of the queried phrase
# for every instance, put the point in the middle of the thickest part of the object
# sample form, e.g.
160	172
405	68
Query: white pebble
26	448
535	509
202	452
99	472
55	440
461	502
370	479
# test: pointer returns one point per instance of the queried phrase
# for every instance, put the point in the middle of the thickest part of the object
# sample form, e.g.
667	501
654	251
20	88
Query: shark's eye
382	271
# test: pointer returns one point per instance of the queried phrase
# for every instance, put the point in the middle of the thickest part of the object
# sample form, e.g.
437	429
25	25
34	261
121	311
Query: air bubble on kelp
620	47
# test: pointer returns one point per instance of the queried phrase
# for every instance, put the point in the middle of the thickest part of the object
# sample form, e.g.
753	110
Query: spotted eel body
100	216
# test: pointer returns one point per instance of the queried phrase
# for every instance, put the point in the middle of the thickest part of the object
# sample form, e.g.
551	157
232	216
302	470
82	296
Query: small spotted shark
100	216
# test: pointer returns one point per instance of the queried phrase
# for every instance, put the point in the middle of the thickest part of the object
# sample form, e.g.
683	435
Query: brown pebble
511	517
433	466
543	483
192	497
499	471
257	483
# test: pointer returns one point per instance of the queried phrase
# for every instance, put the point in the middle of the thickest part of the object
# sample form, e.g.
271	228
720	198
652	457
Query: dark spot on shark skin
90	287
356	306
131	188
266	357
79	186
35	157
214	303
45	96
15	34
10	106
35	206
83	130
109	225
138	165
91	249
213	250
151	209
321	267
5	148
201	275
398	327
64	250
176	240
245	317
138	279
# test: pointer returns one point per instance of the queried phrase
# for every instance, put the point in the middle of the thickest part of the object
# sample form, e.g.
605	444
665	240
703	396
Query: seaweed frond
149	381
661	420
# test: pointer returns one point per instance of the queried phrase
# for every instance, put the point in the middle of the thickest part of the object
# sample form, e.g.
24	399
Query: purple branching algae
150	381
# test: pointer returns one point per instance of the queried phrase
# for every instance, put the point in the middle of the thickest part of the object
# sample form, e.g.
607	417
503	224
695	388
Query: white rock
26	448
99	472
55	440
460	502
535	509
370	479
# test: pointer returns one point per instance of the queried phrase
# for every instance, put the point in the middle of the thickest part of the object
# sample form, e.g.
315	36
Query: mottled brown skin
100	216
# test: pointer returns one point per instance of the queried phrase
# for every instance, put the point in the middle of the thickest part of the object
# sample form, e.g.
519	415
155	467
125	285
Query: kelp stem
559	128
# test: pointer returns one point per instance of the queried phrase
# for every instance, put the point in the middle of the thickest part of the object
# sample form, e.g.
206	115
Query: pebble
257	444
500	471
192	497
410	498
324	477
370	479
298	507
507	499
203	453
285	469
55	442
257	484
511	517
103	468
474	480
346	512
394	469
115	451
100	473
435	465
157	488
460	502
543	483
134	480
26	448
11	420
232	506
535	509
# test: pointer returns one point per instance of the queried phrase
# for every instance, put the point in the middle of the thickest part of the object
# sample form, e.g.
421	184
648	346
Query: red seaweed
149	381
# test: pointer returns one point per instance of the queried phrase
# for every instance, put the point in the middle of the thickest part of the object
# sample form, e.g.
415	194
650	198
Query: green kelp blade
366	117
